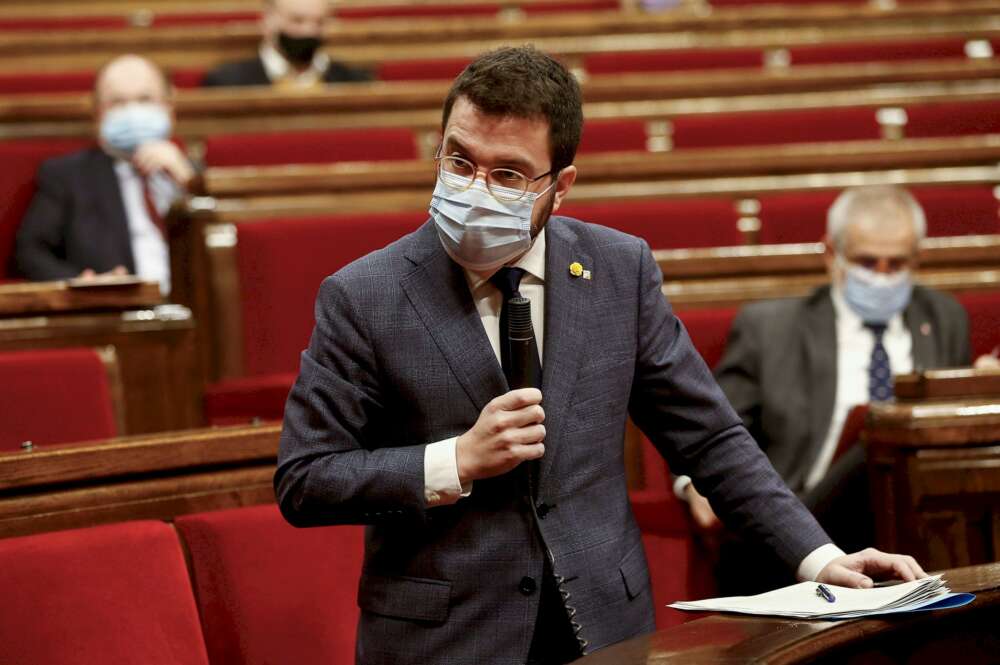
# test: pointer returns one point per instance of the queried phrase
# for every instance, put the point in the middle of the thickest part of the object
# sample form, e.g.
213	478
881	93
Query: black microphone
523	366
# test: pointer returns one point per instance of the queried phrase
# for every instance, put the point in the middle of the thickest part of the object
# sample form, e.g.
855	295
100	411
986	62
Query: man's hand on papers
858	570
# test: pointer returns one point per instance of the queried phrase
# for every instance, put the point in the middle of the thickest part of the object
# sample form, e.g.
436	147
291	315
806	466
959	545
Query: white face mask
875	297
478	231
125	128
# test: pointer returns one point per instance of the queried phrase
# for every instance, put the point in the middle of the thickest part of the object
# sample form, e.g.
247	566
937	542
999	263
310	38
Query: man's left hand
858	570
163	156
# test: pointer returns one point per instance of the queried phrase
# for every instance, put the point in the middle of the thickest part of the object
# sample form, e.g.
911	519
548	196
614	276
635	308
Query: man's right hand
701	510
509	431
90	273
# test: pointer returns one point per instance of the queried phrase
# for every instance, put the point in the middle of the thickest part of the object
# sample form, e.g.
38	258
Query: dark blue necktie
879	371
508	281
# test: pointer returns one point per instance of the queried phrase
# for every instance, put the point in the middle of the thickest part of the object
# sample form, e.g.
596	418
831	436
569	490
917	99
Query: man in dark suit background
290	53
501	530
794	368
100	210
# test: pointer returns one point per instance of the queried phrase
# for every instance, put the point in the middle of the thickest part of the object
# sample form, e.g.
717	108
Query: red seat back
709	330
613	135
924	49
983	308
21	160
54	396
775	127
310	147
271	593
438	69
281	263
794	217
673	60
959	210
953	119
665	223
109	594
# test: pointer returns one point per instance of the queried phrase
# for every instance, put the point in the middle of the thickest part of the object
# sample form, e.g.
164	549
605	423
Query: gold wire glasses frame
458	173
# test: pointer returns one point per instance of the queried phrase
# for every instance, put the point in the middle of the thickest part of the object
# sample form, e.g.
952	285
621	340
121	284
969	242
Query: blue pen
825	593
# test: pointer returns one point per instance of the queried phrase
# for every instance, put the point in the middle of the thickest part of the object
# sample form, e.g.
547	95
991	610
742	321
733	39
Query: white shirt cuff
680	487
816	561
441	483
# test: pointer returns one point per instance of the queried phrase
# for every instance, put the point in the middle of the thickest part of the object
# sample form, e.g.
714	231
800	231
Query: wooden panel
157	477
156	351
76	296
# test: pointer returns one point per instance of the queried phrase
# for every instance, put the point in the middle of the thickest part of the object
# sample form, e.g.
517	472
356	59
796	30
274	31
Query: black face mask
299	50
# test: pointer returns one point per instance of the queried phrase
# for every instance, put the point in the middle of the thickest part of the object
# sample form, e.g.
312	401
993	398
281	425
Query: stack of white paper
802	602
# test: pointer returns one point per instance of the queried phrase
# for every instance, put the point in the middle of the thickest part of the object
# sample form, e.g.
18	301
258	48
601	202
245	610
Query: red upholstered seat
438	69
794	217
665	223
107	594
271	593
54	396
953	119
45	82
310	147
238	401
613	135
775	127
560	6
959	210
21	160
673	60
709	330
924	49
983	308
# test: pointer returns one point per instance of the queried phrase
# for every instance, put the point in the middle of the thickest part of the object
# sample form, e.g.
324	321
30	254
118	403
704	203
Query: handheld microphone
523	366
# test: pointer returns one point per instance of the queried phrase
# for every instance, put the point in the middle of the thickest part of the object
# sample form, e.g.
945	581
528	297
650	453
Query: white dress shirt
855	344
277	67
441	482
149	247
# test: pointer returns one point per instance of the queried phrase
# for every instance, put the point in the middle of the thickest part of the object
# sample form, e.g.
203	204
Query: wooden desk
967	635
26	298
142	477
934	467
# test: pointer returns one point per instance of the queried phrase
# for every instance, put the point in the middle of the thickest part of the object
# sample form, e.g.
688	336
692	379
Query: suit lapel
821	369
440	294
108	199
918	322
566	300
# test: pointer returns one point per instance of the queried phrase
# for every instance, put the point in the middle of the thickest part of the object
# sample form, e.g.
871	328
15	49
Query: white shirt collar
277	67
532	262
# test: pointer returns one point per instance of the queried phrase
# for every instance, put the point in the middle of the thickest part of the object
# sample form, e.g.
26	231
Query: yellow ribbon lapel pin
576	269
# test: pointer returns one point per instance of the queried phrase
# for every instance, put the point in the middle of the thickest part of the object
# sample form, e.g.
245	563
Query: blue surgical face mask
478	231
125	128
875	297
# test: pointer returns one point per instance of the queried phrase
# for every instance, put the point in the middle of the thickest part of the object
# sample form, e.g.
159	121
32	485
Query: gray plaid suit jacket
399	359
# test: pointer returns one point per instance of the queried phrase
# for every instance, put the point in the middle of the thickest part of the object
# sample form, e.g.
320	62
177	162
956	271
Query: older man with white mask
101	210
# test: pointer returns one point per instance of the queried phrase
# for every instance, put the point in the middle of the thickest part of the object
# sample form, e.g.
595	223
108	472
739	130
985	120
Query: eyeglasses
458	174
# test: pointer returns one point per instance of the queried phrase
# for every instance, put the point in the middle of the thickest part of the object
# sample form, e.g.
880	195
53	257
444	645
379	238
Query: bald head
130	78
295	18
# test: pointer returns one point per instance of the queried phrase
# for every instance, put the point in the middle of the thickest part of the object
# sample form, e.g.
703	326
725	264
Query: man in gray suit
794	368
500	528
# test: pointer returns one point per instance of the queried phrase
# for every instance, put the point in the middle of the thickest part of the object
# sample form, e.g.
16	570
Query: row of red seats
689	59
170	19
257	590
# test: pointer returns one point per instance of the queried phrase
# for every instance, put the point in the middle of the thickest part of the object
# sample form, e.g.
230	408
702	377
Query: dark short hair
523	82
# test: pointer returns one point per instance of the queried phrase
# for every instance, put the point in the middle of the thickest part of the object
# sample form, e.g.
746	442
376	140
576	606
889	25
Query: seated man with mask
101	210
795	368
290	52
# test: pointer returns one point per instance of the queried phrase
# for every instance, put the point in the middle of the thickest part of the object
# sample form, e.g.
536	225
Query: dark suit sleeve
738	372
341	73
332	469
40	243
679	406
960	351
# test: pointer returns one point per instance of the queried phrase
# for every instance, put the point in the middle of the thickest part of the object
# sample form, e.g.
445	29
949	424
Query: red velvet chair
270	593
612	136
415	10
709	330
437	69
775	127
278	285
953	119
959	210
21	160
673	60
109	594
794	216
924	49
983	308
665	223
56	396
310	147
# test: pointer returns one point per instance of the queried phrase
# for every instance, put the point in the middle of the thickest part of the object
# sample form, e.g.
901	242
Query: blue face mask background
125	128
478	231
875	297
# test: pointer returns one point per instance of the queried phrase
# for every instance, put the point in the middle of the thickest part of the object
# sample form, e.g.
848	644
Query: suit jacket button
527	586
542	510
